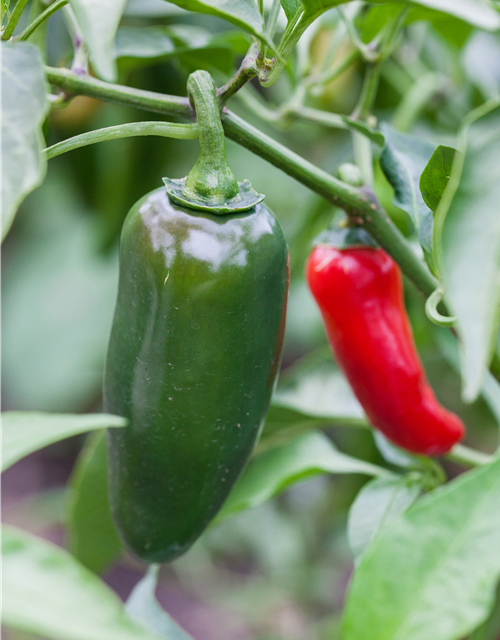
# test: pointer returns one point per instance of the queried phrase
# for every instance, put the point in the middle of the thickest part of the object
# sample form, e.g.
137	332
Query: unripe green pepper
193	357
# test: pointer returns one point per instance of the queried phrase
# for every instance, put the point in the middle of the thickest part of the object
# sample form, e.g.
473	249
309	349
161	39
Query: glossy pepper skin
193	357
360	294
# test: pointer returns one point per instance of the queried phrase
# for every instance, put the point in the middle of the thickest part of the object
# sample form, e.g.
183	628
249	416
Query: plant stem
165	129
148	100
14	19
368	92
415	100
495	365
334	71
325	118
363	157
272	20
80	65
50	10
246	72
252	101
358	203
468	457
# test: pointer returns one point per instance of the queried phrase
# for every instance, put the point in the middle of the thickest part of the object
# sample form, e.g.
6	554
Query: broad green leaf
451	19
99	22
490	630
475	12
92	536
378	502
316	7
276	469
55	352
470	261
394	454
480	62
313	394
373	135
143	607
432	573
435	176
26	431
403	159
183	41
150	42
448	346
316	388
152	8
24	106
48	593
291	7
243	13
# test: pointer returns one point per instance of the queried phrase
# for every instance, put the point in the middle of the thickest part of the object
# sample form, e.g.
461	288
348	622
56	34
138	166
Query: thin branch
246	72
45	15
358	203
334	71
468	457
272	20
164	129
147	100
14	19
325	118
80	64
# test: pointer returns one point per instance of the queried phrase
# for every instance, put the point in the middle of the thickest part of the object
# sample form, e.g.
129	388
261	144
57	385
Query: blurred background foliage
278	571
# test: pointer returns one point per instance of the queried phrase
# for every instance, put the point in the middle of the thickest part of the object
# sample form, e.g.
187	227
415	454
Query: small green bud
351	174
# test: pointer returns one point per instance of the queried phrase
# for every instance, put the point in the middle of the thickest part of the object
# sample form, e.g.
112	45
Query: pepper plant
383	117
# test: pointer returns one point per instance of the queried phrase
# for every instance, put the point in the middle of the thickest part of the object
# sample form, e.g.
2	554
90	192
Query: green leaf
48	593
150	42
26	431
186	42
448	346
143	607
142	46
402	161
55	352
152	9
243	13
313	394
92	536
480	62
470	246
475	12
436	175
279	468
99	22
24	106
316	7
316	388
432	573
394	454
291	7
378	502
490	630
375	136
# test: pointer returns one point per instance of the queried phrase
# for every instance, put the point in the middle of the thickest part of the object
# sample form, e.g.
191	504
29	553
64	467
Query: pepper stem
211	179
210	185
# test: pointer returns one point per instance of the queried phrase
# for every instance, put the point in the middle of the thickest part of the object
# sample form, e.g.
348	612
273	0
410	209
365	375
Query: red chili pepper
360	294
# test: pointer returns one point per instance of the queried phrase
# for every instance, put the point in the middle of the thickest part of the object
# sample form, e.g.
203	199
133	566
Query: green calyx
346	238
210	185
